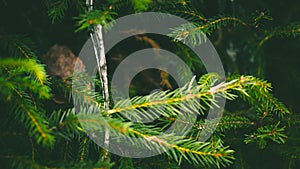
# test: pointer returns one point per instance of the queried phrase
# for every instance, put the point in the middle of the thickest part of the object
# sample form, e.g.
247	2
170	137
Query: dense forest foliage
257	42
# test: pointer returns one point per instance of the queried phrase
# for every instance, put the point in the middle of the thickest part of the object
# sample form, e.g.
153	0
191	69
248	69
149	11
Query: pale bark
98	43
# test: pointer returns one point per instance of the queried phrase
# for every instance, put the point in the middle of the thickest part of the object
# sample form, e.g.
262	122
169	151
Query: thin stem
97	39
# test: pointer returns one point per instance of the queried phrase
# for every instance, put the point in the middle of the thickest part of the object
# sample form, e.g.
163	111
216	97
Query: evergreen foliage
23	81
32	136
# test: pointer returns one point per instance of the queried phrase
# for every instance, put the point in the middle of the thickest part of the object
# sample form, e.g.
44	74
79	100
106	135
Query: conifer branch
57	9
33	121
200	153
14	80
94	17
195	34
272	132
191	15
189	149
292	30
84	148
20	77
259	95
171	102
18	46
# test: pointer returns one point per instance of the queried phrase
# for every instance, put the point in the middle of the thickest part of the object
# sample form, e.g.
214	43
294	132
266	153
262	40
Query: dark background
281	56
